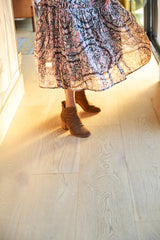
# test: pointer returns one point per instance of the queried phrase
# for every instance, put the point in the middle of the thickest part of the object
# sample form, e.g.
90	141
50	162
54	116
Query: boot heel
63	125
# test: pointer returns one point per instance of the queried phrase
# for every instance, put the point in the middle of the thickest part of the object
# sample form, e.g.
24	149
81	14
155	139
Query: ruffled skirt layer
87	44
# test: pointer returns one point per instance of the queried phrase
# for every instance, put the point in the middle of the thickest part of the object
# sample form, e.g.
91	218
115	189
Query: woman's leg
81	99
70	97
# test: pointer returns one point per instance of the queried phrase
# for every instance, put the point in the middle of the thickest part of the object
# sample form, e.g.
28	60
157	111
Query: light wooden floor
57	187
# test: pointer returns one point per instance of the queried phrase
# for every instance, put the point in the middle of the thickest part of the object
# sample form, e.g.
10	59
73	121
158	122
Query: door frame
148	27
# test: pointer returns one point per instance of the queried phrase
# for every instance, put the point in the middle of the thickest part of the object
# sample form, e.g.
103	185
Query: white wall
11	78
8	48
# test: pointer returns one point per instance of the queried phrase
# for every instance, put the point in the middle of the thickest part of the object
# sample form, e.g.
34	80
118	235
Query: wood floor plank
59	154
104	204
13	186
145	185
49	211
17	156
141	136
140	126
154	94
148	230
59	151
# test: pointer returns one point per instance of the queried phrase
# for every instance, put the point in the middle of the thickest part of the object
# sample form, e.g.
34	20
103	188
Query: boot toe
83	132
93	109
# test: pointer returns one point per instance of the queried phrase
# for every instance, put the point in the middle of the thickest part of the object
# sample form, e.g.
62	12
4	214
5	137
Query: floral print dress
87	44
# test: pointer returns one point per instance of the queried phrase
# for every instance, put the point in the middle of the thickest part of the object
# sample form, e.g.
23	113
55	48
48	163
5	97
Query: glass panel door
137	9
154	27
147	14
156	21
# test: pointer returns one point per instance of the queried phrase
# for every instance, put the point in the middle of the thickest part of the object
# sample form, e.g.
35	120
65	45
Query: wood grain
104	204
17	158
148	230
59	151
141	137
49	210
145	185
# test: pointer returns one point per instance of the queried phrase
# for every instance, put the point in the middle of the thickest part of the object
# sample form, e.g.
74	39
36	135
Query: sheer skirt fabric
87	44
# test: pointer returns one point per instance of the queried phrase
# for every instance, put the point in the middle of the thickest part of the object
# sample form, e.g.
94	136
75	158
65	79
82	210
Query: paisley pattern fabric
87	44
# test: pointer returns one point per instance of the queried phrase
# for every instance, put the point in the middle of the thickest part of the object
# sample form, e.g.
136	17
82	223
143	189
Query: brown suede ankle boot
81	99
71	121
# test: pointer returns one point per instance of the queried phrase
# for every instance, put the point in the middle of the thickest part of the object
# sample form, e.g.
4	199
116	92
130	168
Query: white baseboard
12	102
